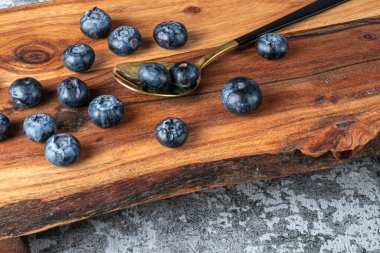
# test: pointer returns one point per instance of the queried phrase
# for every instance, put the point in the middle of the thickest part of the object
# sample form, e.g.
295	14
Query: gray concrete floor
331	211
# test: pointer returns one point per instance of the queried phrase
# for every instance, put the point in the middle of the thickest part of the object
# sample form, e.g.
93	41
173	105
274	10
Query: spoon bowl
127	74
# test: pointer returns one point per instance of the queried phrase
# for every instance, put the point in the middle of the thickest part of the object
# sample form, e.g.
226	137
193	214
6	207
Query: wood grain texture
14	245
322	98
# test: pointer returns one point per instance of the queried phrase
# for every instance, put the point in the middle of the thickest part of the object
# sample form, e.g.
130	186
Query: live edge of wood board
321	106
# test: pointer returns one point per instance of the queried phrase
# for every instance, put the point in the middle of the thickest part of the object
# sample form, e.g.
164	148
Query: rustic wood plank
322	98
164	184
210	23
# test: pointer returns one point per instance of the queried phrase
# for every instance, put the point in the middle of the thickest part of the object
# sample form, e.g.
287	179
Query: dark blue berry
241	95
124	40
73	92
184	74
26	92
272	46
154	75
106	111
171	132
5	127
95	23
62	149
170	35
39	127
78	57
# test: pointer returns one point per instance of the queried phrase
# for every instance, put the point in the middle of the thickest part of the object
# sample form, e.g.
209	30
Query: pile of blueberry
240	95
60	149
124	40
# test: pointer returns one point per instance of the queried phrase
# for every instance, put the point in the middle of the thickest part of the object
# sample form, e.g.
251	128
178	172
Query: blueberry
62	149
73	92
171	132
5	127
95	23
124	40
184	74
170	35
106	111
241	95
272	46
39	127
154	75
26	92
78	57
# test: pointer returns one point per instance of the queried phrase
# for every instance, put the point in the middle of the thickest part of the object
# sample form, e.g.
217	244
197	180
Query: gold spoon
127	73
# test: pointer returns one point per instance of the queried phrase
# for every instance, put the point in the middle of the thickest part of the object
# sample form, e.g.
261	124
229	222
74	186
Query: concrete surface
332	211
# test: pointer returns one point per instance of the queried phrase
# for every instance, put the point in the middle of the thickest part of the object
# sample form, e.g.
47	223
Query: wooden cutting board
321	105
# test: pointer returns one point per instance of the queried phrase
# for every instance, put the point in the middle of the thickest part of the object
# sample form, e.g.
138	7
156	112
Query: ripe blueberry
154	75
170	34
95	23
26	92
124	40
272	46
73	92
106	111
78	57
184	74
62	149
171	132
39	127
5	127
241	95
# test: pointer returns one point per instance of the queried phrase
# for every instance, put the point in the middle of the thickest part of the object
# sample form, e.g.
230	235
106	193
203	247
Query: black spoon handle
305	12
